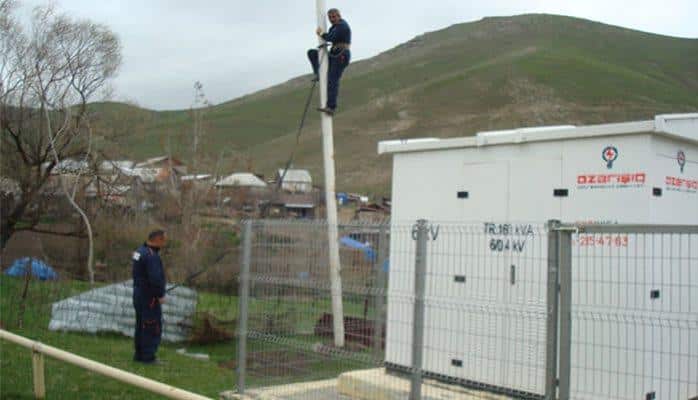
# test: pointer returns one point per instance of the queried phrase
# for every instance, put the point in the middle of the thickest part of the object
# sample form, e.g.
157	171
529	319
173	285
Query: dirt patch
208	329
274	363
358	331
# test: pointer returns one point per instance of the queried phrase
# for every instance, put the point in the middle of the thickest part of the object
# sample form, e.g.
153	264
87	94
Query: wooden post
330	199
38	371
41	350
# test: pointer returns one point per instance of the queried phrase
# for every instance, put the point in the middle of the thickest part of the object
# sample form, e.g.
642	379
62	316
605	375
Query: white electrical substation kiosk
511	183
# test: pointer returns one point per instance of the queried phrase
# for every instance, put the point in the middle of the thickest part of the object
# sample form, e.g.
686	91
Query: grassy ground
205	377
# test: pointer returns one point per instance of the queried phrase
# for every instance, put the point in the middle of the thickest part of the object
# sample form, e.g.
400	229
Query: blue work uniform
339	34
148	288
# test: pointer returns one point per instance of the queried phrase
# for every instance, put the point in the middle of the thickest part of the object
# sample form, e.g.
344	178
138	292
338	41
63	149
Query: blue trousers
148	328
338	62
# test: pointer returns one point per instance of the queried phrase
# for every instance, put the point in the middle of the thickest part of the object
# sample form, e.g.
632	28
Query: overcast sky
234	47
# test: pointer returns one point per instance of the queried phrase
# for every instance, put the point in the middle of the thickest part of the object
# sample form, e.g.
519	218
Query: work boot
327	110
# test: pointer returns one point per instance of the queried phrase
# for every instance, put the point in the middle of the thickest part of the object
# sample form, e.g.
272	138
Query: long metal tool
193	276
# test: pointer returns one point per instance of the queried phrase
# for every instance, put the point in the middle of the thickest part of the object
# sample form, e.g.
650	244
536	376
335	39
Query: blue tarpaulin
354	244
39	269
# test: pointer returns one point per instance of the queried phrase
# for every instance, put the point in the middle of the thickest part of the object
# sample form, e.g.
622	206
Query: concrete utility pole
330	199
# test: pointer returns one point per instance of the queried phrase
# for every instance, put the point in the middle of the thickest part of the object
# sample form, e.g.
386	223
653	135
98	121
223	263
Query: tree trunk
25	291
86	221
7	228
8	223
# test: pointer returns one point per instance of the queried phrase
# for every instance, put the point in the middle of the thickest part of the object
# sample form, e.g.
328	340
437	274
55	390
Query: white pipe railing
39	350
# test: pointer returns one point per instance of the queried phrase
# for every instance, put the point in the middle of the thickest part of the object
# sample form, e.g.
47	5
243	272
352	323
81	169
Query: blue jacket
148	274
339	33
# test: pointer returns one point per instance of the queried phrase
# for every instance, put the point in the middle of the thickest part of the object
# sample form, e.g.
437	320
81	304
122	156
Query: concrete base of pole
368	384
376	384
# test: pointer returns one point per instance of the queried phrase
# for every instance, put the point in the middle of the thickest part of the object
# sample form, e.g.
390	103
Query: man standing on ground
148	296
339	55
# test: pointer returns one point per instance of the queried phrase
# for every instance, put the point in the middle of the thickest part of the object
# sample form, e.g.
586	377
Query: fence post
565	268
243	303
420	233
38	372
380	292
551	332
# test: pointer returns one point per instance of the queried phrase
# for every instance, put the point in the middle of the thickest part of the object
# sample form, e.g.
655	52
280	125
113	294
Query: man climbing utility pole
339	56
331	200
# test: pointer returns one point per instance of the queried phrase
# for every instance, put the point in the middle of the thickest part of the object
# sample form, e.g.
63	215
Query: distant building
241	179
295	180
112	194
284	204
115	167
373	212
242	190
160	169
197	178
70	166
163	162
145	175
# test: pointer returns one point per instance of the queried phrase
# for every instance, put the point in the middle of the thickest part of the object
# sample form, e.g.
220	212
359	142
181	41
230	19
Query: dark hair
333	11
156	234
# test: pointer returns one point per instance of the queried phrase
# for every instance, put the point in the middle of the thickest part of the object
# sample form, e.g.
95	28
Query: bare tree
49	71
191	199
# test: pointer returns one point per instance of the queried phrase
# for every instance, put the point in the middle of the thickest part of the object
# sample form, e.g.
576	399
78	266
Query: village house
294	197
295	180
241	190
161	169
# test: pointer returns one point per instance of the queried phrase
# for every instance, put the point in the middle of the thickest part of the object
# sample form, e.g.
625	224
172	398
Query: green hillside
495	73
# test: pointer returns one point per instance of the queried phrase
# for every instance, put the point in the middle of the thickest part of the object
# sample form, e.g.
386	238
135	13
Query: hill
496	73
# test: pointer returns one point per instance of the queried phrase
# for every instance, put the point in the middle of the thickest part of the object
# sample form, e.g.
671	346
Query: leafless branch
49	71
76	234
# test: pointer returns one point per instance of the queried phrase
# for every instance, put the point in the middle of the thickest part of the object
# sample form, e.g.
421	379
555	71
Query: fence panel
289	327
486	306
634	313
627	307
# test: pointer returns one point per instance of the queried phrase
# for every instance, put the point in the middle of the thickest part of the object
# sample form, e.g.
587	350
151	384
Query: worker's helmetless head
157	239
334	15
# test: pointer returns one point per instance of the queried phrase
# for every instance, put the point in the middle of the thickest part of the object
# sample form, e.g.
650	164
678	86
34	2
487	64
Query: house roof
299	205
155	160
241	179
678	126
111	165
296	175
197	177
146	175
108	190
71	166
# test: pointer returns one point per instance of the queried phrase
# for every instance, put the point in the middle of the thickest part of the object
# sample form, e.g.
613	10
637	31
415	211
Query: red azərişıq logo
609	154
636	178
